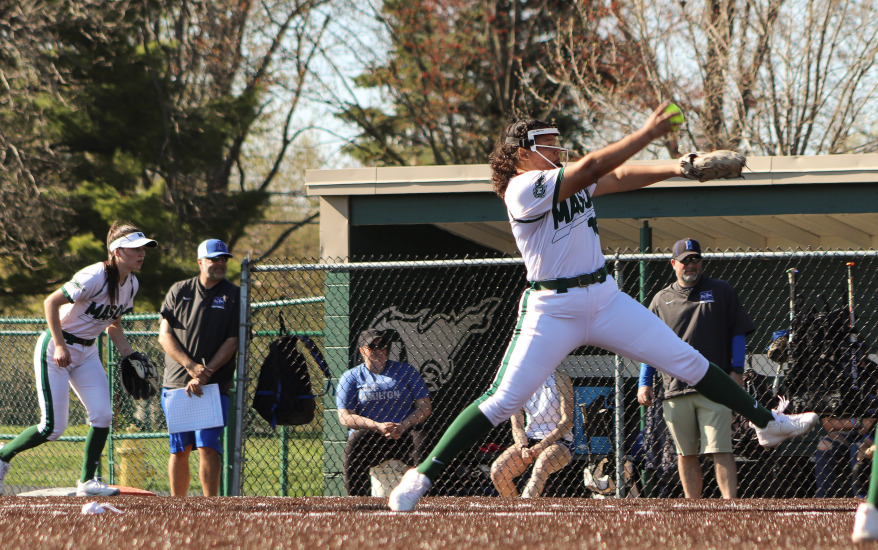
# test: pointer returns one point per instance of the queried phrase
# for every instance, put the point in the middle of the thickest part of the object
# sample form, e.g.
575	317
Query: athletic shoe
411	488
4	469
596	480
95	488
865	523
785	426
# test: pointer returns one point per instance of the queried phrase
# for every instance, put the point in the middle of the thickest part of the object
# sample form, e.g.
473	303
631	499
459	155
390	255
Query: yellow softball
677	119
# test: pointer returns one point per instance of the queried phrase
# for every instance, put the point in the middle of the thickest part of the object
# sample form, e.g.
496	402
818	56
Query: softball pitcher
571	300
77	313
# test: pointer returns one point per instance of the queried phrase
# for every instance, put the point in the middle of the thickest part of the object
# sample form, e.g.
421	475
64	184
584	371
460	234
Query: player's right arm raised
595	165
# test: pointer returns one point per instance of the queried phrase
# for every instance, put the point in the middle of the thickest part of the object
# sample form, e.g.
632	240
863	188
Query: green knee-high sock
872	495
719	386
466	430
94	446
27	439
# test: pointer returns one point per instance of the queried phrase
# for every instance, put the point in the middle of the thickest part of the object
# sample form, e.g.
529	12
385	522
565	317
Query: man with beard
199	333
707	314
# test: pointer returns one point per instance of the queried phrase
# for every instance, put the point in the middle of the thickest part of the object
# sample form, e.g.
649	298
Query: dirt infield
439	522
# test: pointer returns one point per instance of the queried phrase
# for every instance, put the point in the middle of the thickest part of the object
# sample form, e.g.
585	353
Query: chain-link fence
452	320
138	453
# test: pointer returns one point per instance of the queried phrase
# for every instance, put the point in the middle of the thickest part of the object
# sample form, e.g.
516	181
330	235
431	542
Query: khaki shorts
693	418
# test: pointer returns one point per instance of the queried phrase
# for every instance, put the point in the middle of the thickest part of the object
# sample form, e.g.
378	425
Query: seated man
541	432
381	402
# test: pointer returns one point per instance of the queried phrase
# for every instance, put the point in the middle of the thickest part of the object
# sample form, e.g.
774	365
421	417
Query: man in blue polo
199	333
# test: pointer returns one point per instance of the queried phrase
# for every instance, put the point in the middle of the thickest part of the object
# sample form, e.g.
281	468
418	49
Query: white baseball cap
132	240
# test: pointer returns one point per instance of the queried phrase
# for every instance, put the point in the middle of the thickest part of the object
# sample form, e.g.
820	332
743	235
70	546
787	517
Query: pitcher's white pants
551	325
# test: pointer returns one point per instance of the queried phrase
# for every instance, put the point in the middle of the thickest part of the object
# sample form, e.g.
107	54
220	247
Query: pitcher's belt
73	339
561	285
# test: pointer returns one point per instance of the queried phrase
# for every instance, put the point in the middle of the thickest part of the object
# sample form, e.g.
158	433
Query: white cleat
785	426
95	488
865	523
411	488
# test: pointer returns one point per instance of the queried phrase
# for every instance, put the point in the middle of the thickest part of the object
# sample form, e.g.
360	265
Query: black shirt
706	316
201	319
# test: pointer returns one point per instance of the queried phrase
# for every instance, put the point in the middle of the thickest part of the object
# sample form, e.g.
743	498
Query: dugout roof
827	202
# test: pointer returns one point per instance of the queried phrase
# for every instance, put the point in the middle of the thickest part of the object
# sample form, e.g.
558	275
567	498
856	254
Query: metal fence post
235	436
284	461
619	424
103	341
643	297
337	348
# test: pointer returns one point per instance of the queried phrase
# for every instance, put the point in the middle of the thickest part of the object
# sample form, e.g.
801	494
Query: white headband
530	142
132	240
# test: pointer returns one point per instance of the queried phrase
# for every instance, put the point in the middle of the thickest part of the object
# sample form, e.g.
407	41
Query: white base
50	492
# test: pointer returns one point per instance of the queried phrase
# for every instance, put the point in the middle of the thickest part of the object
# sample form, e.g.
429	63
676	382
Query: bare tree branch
761	76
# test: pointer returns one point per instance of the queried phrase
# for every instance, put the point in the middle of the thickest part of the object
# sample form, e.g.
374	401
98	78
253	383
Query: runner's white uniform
86	317
563	242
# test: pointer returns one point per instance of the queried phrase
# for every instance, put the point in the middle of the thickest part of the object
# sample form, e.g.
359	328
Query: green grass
304	468
58	464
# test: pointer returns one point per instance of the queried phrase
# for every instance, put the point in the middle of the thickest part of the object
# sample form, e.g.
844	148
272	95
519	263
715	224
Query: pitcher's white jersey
554	242
90	312
560	242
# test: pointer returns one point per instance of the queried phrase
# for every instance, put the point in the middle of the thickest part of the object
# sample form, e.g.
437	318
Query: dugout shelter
826	202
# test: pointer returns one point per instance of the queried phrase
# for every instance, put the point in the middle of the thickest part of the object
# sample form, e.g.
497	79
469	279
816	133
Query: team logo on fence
432	341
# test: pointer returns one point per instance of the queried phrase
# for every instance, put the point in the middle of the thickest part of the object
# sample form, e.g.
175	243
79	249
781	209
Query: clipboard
187	414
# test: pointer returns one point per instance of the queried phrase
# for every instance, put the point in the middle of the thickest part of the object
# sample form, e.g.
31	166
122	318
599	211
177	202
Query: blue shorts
200	438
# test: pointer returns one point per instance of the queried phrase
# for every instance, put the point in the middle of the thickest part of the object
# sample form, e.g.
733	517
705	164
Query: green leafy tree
143	111
449	77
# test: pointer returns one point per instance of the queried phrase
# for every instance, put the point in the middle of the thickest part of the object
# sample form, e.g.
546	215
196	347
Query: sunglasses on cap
690	260
377	345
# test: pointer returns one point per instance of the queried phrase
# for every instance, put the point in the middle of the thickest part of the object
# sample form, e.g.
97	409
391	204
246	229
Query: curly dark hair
505	155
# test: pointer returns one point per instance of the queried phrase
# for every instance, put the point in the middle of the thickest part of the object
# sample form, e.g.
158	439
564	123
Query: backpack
284	394
820	375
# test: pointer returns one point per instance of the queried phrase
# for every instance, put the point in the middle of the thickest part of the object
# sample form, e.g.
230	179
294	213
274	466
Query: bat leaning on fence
791	274
853	332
